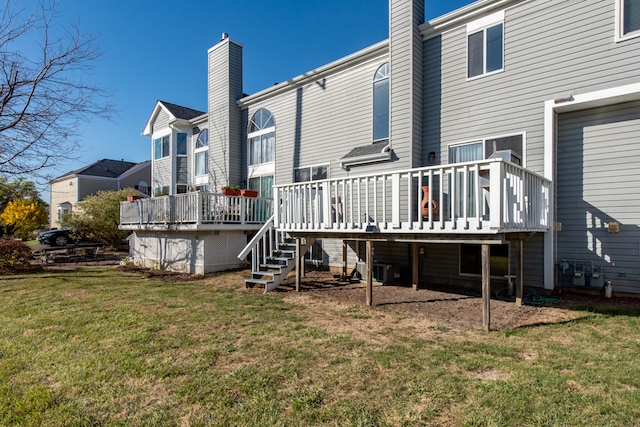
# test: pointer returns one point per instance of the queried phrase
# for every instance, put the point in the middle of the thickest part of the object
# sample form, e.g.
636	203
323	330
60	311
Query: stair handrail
259	235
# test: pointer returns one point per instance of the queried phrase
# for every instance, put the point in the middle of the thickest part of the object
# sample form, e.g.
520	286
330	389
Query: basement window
471	260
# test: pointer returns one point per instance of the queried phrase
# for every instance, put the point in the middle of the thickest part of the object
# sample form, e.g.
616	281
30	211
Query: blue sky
158	50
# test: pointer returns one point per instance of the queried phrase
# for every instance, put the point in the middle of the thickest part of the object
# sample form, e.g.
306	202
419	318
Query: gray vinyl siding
237	174
161	173
405	48
597	183
552	49
225	88
320	122
162	121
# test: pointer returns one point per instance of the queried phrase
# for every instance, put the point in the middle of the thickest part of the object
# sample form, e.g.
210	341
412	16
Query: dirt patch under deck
456	306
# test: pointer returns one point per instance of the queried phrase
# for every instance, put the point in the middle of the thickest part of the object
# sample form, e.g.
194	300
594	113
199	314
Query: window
181	189
203	139
311	173
471	259
202	162
315	254
381	103
485	45
181	144
511	145
262	138
161	147
202	153
628	19
263	185
161	191
510	148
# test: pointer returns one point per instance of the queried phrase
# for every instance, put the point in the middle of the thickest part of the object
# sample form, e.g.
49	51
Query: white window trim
328	165
153	144
482	140
481	25
619	36
195	161
255	134
186	154
373	85
261	169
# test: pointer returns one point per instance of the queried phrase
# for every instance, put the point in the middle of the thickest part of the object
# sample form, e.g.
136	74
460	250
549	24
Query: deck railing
196	208
489	196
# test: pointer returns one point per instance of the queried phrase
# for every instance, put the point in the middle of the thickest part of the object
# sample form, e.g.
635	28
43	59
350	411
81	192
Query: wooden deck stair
278	264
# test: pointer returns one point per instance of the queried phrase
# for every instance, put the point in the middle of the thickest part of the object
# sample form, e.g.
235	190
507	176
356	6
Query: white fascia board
180	124
200	119
313	75
462	16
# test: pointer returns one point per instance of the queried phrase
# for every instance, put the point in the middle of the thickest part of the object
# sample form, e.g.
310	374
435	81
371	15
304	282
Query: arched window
381	103
262	137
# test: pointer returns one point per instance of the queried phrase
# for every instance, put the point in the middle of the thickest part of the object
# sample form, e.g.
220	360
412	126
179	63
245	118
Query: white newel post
395	200
496	179
198	208
326	204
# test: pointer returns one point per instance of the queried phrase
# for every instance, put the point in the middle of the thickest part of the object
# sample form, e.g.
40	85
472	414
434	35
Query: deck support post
298	264
369	255
344	260
414	264
486	287
519	275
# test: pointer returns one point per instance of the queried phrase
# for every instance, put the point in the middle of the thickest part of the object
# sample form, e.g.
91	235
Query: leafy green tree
17	189
23	217
97	217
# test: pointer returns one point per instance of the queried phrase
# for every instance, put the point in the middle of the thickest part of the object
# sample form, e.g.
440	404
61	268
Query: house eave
318	73
370	158
437	26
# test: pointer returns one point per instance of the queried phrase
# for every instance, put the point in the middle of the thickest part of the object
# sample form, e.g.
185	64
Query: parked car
55	237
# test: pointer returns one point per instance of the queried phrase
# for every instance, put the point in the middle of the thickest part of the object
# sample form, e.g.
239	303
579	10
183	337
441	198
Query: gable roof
176	113
105	168
180	112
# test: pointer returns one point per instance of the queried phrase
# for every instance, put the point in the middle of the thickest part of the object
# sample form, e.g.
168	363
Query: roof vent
224	36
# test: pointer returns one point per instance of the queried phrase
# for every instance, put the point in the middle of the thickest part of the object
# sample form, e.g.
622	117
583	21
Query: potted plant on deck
249	193
231	190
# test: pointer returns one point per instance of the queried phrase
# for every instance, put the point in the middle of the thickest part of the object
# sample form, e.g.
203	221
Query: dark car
55	237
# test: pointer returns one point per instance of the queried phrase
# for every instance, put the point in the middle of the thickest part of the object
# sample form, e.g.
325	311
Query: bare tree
43	93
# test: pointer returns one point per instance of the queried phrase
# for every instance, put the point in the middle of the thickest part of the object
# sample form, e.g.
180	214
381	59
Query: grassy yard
102	347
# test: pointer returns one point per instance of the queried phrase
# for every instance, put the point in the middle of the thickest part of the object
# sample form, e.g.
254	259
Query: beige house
103	175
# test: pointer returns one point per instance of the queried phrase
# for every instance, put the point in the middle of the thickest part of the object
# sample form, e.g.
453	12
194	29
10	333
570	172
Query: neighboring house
103	175
513	123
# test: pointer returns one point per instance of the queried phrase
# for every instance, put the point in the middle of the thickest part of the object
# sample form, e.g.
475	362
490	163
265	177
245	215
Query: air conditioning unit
507	155
382	273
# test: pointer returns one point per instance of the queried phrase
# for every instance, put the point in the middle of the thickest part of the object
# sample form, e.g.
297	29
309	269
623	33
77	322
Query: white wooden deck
486	197
195	211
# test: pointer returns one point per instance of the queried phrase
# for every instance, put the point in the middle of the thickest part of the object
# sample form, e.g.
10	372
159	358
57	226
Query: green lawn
101	347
